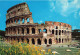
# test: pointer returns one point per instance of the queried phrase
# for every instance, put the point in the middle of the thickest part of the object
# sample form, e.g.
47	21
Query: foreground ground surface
24	49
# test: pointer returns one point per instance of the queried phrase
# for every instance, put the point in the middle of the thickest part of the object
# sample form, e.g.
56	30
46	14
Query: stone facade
20	29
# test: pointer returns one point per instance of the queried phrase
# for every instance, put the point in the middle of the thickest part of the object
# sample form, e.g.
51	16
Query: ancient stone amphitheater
21	28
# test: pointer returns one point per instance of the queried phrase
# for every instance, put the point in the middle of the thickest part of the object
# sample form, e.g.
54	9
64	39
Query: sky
66	11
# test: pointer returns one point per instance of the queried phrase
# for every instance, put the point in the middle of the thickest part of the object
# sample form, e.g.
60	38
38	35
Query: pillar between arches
35	41
42	41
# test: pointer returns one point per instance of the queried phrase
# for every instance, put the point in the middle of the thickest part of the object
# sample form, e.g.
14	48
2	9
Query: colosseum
21	28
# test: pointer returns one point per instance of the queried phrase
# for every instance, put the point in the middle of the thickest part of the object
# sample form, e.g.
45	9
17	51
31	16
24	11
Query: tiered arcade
21	28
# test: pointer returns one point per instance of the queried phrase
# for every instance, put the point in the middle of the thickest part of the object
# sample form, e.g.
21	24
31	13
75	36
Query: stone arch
45	41
56	32
18	21
22	20
11	38
15	21
22	39
27	40
14	38
39	30
33	41
59	32
18	40
14	31
59	40
62	31
28	20
56	40
45	30
52	31
22	30
27	30
18	30
50	41
39	41
56	27
62	40
33	30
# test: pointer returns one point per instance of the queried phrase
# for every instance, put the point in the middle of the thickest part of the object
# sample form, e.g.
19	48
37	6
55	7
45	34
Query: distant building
20	27
76	34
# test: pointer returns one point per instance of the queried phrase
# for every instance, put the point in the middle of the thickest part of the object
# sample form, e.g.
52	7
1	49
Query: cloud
64	7
40	21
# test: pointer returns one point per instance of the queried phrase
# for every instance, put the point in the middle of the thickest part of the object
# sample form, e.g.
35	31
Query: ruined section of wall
21	28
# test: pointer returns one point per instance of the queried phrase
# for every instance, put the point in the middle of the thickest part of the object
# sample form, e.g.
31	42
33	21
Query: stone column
16	31
25	40
53	41
13	21
25	20
25	31
20	40
16	21
16	40
20	20
36	30
35	41
42	41
30	41
48	31
31	20
47	41
20	31
61	40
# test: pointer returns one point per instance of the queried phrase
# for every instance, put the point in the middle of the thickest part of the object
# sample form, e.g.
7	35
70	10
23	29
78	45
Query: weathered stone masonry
20	27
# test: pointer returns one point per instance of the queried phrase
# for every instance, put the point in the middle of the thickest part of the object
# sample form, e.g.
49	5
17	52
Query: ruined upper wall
17	10
62	24
58	24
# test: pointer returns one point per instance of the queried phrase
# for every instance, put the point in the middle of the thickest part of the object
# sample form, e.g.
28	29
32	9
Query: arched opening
59	32
50	41
27	40
14	31
18	39
45	30
27	30
45	40
18	21
52	31
59	40
56	27
39	30
56	32
33	41
23	21
14	38
15	21
28	20
39	41
62	31
33	31
62	40
22	31
18	31
22	39
11	38
56	40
